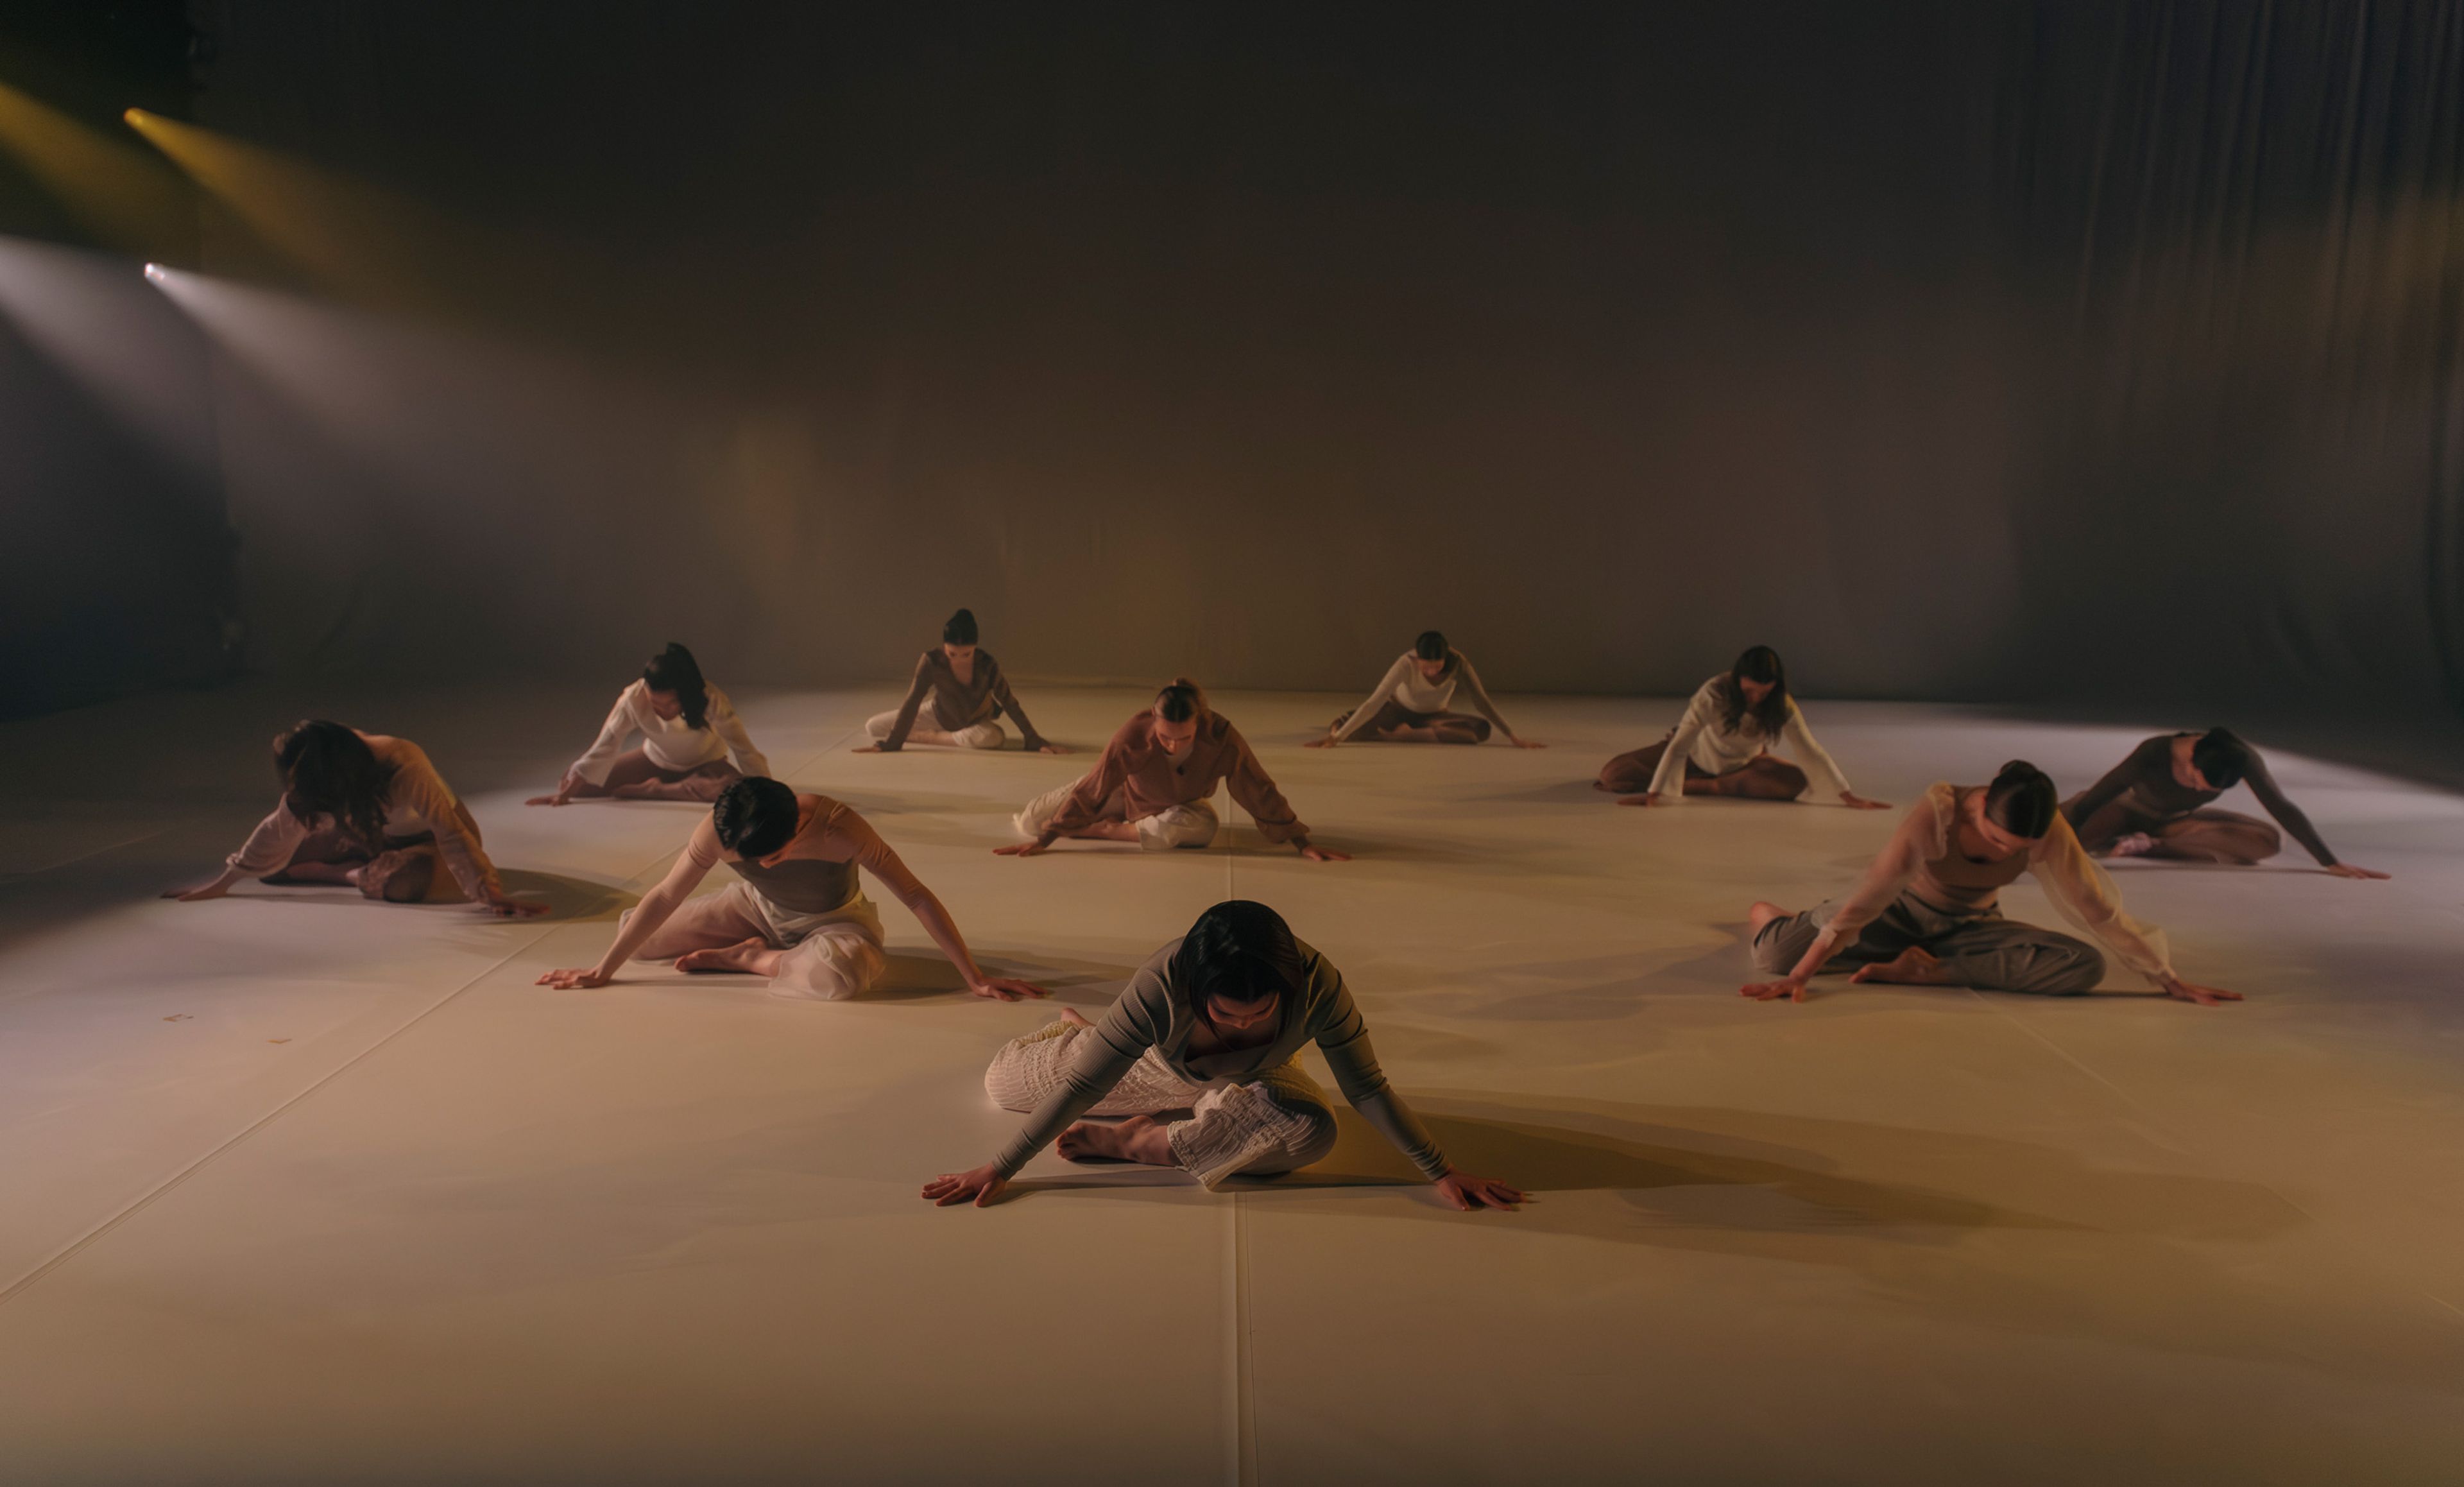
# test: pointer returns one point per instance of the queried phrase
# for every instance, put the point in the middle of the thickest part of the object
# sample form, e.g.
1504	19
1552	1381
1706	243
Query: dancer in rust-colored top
1154	783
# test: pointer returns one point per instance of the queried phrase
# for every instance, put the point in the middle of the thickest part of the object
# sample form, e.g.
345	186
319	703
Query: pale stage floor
297	1189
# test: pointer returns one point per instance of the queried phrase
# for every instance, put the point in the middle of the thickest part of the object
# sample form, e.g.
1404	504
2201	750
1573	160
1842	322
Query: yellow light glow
125	198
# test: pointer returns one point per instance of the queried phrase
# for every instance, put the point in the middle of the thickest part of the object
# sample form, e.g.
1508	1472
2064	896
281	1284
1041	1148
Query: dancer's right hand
979	1187
199	894
1326	741
1020	850
1773	990
575	979
1647	798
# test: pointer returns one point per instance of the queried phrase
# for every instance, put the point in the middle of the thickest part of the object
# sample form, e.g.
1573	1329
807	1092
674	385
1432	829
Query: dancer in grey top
1210	1023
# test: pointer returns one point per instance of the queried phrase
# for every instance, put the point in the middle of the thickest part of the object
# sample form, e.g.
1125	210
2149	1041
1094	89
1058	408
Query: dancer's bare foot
1075	1017
1762	913
1913	967
2138	844
1139	1138
737	957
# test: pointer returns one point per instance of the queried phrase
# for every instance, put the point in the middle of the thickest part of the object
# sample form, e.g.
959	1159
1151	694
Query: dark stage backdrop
1961	351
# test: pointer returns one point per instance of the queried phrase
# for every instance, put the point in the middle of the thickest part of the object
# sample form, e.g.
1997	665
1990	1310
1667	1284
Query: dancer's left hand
1020	850
1325	855
1004	988
1053	748
1527	743
2348	869
1855	802
1773	990
575	979
2182	990
1467	1193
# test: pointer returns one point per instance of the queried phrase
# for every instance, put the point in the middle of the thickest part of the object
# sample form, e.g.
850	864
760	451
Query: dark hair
674	670
755	816
959	629
1758	664
1432	645
2222	757
1180	702
2022	800
329	770
1239	950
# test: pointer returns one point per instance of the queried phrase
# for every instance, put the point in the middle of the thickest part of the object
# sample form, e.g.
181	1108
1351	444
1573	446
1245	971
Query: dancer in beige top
687	727
1722	746
1926	913
1412	702
796	913
368	811
967	693
1212	1024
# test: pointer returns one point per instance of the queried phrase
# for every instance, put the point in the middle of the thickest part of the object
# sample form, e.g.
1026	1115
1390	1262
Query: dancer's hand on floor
1004	988
1855	802
1773	990
979	1187
1020	850
1467	1193
514	908
868	748
1527	743
1325	855
2348	869
199	894
560	798
582	979
1647	798
2182	990
1053	748
1325	742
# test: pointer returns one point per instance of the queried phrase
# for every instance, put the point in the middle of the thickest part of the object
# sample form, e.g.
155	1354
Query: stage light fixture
154	273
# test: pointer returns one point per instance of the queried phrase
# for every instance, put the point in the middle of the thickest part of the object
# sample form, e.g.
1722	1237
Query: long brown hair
329	770
1758	664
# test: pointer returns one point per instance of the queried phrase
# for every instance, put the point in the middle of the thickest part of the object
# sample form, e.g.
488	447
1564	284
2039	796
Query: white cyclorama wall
1248	347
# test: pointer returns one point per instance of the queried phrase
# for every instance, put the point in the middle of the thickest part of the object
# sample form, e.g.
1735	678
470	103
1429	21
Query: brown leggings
2225	836
1450	728
1766	778
634	777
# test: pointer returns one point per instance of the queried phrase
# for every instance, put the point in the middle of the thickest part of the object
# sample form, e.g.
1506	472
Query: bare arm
691	867
1480	698
874	854
1881	884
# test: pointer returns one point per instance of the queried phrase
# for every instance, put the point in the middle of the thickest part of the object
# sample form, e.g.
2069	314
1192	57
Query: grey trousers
1984	950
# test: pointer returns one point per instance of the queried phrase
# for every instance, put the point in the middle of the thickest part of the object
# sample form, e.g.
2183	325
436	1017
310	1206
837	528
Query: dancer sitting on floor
1410	704
1924	914
1212	1024
796	911
2154	804
1155	782
968	693
370	810
1722	745
686	727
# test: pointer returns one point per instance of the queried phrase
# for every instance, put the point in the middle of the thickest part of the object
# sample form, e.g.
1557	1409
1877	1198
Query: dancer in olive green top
968	693
1211	1025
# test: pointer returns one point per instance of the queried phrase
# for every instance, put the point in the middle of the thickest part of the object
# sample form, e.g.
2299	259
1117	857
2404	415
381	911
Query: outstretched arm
1344	1040
1818	762
1103	1055
874	854
595	761
1668	781
730	726
691	866
2086	897
1883	878
916	686
2134	765
2288	815
1028	739
1487	709
266	850
1254	790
